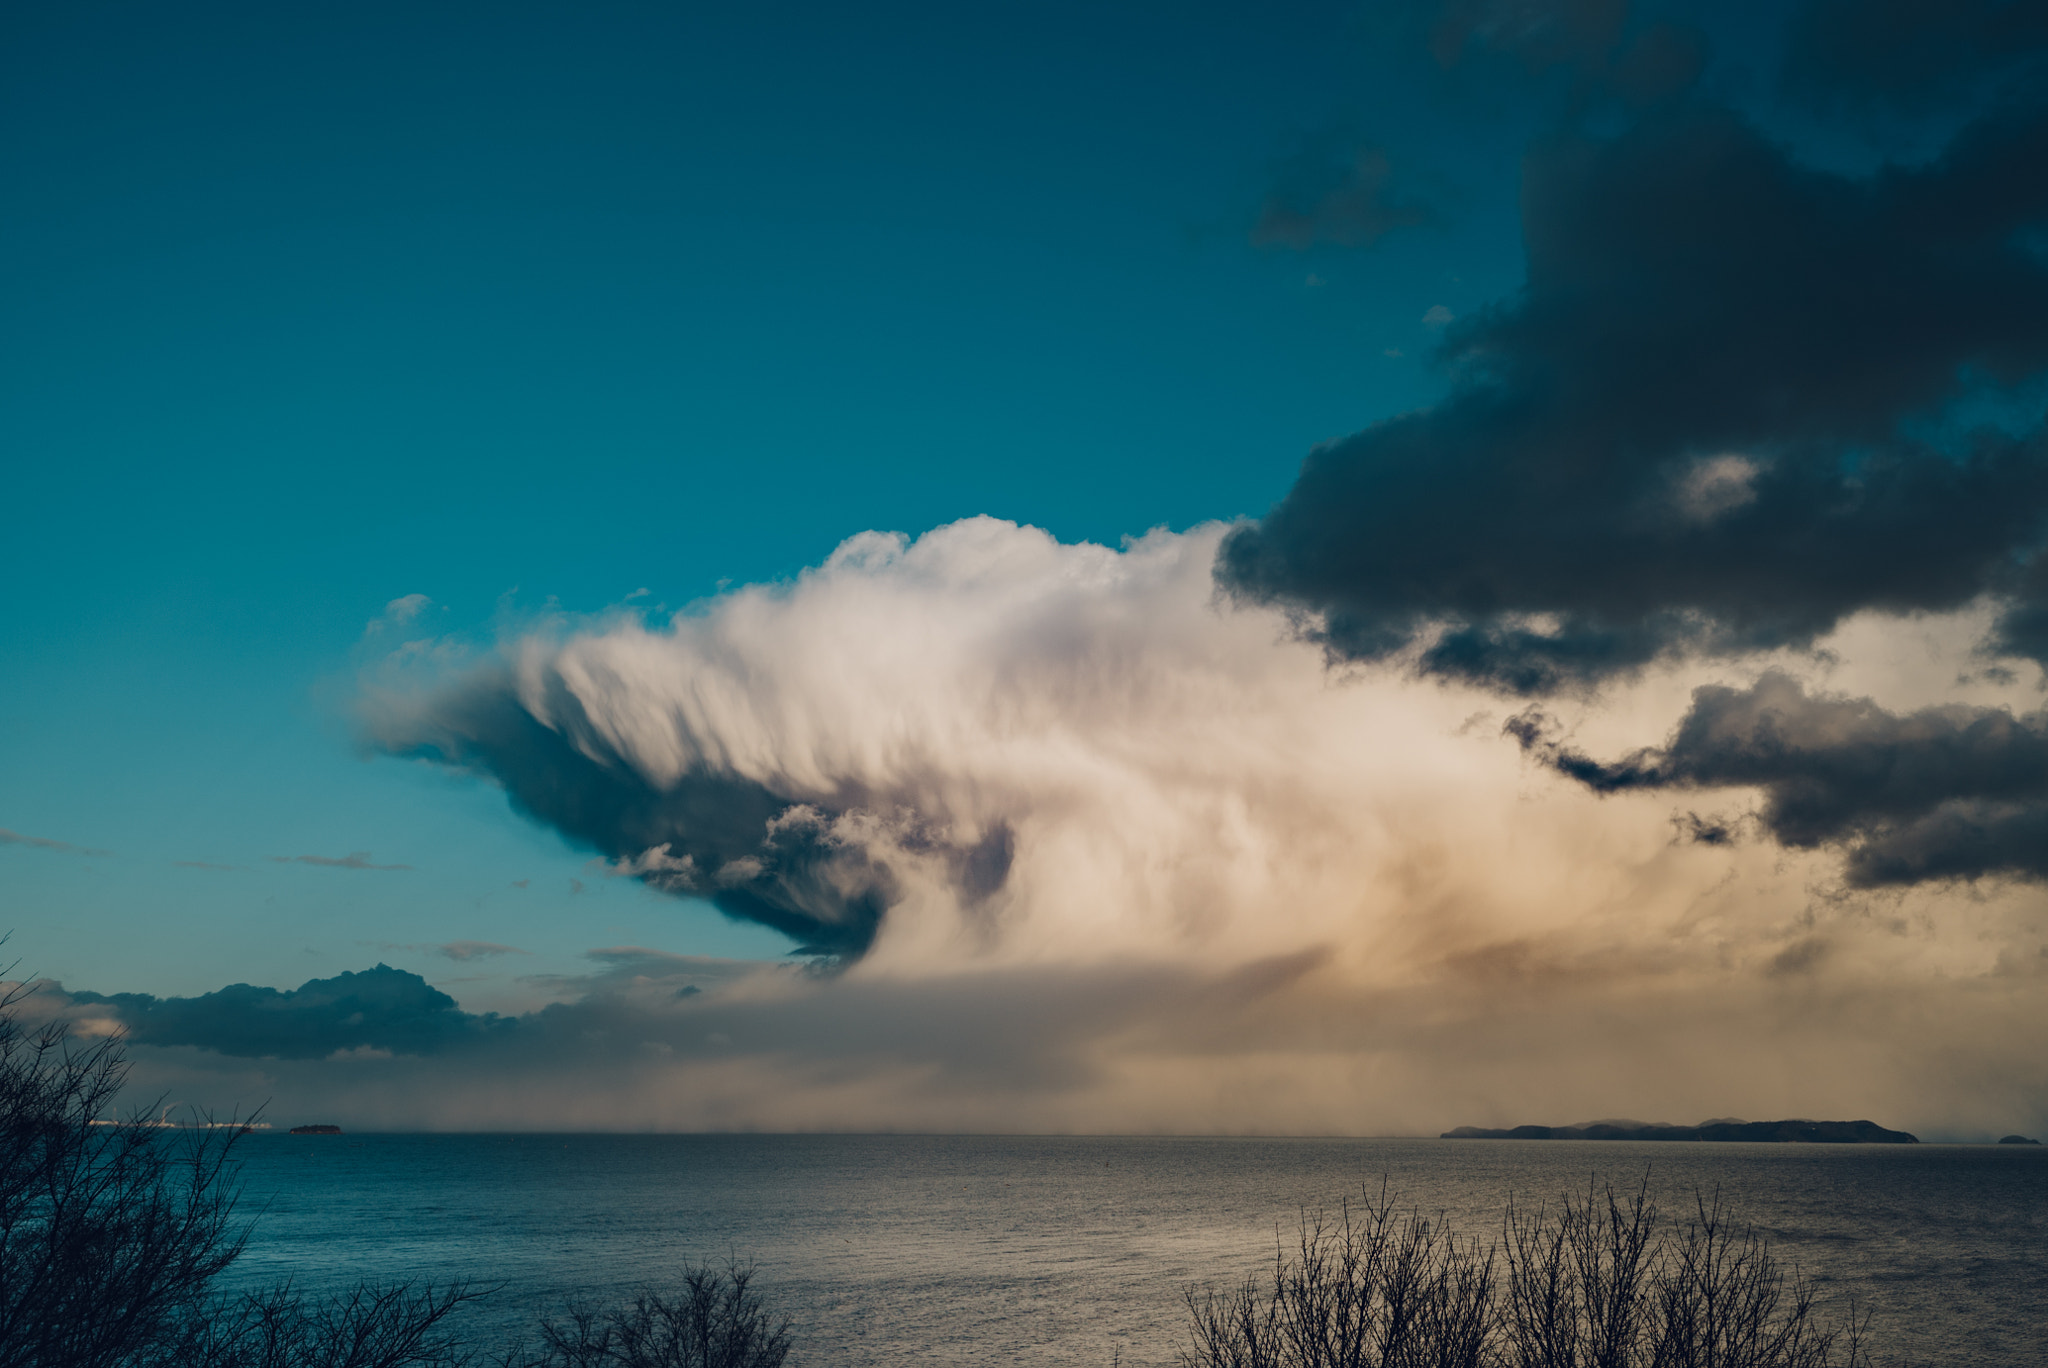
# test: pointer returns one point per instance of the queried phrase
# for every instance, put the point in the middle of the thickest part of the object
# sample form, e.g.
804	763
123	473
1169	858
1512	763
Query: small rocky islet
1723	1129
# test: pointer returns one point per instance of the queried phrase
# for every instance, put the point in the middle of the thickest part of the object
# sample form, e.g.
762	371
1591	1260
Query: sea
973	1250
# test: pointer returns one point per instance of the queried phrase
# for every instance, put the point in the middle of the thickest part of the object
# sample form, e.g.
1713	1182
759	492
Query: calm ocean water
1039	1251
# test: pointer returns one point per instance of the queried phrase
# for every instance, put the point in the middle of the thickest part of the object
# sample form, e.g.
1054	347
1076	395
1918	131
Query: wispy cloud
200	864
643	973
460	951
358	859
44	843
470	950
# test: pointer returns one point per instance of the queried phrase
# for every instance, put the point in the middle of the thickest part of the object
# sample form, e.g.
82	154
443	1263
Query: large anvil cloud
809	755
765	754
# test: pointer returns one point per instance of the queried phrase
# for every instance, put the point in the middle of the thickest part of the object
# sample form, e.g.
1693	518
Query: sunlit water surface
980	1250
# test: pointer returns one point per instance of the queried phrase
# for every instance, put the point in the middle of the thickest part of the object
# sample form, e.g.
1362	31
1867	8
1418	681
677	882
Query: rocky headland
1726	1128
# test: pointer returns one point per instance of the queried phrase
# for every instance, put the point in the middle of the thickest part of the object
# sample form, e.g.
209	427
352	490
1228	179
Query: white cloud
1710	488
403	610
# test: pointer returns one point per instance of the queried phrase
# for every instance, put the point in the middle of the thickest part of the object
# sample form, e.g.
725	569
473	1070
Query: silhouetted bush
1602	1281
716	1320
398	1325
109	1235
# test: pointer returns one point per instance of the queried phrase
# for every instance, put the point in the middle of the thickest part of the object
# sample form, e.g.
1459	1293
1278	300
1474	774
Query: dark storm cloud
1579	33
1728	409
2022	629
1610	51
375	1009
755	854
1943	793
1913	54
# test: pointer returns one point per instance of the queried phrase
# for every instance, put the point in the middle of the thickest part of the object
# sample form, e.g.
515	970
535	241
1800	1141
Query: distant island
1726	1128
316	1130
2016	1140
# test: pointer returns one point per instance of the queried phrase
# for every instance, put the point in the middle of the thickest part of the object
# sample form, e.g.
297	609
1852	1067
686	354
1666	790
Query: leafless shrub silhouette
109	1235
1601	1281
716	1320
1369	1286
369	1326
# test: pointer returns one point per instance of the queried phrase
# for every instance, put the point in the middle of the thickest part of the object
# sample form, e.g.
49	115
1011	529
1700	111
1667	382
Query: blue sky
313	310
1422	525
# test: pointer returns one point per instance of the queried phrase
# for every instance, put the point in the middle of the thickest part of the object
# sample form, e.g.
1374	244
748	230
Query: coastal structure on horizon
166	1122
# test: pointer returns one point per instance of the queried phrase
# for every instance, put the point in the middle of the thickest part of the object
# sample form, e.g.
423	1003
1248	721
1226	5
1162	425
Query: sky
1299	568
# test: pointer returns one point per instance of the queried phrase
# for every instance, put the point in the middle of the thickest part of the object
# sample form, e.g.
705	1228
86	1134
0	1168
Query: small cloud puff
404	610
398	614
1718	485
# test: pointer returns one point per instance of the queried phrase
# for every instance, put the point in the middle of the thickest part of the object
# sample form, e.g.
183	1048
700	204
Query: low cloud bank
376	1009
1280	1045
